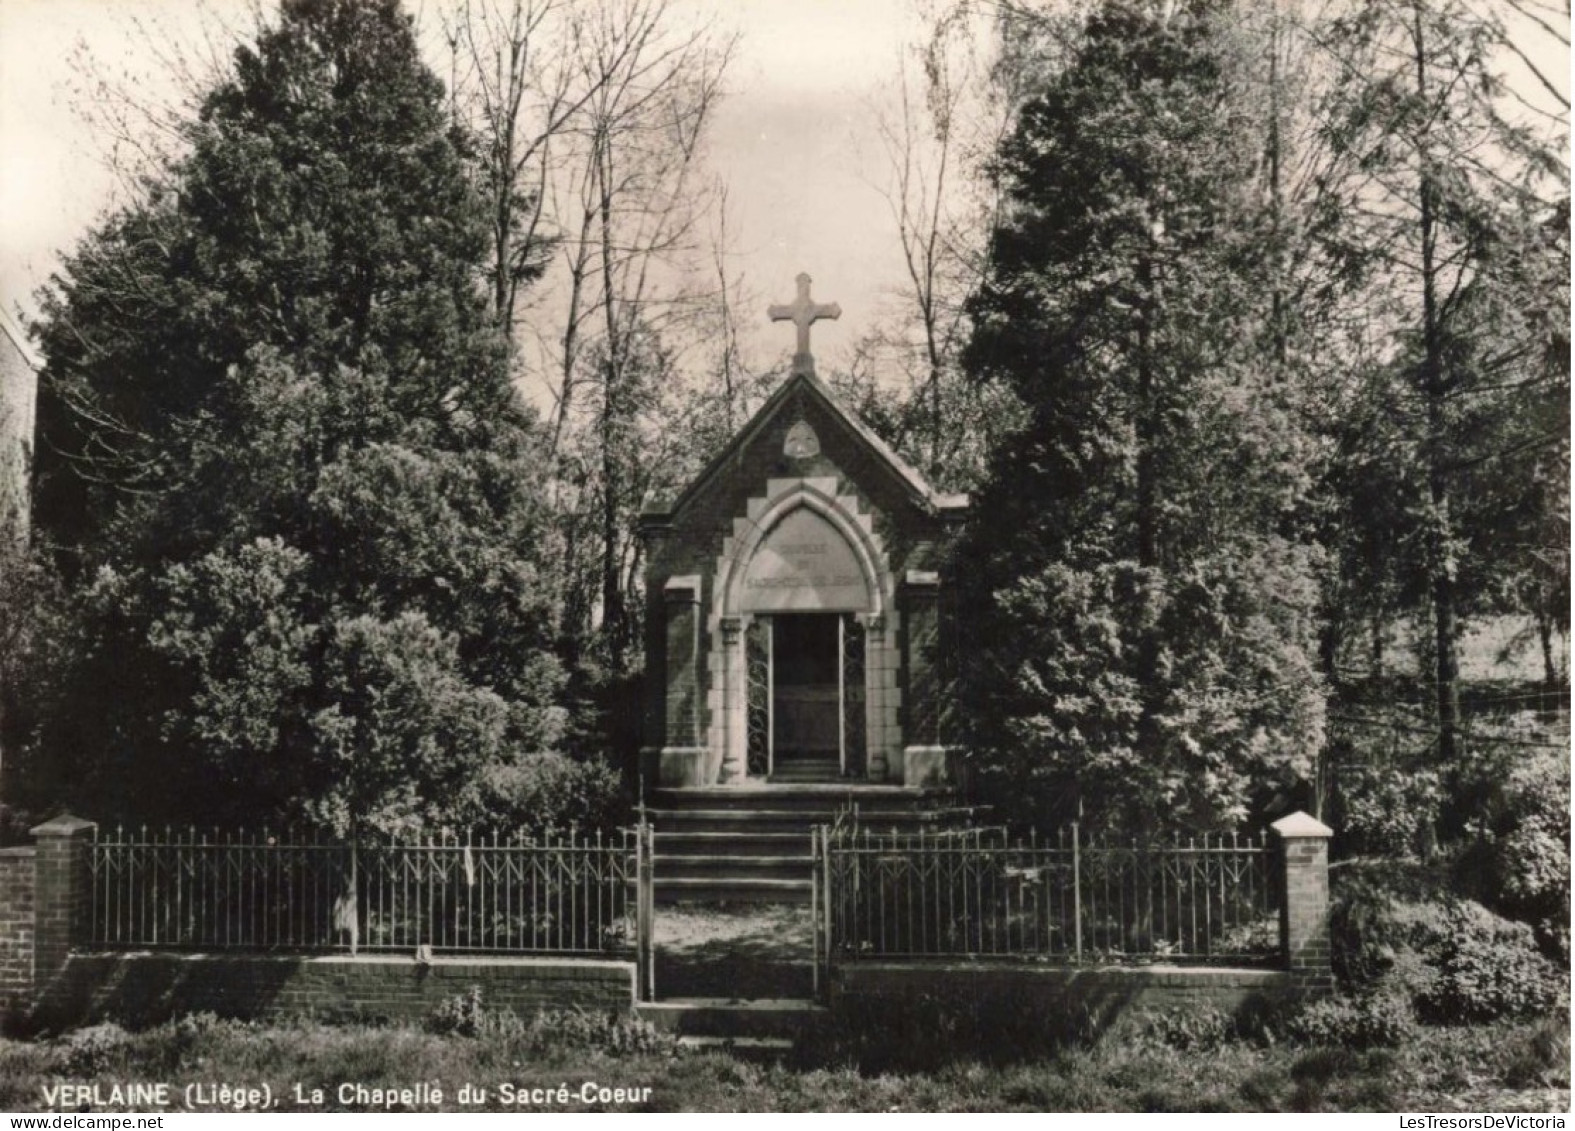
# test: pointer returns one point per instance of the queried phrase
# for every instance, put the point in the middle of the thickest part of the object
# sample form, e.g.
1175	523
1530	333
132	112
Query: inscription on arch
804	565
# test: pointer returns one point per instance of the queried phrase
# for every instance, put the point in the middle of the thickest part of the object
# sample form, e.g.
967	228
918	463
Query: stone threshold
839	787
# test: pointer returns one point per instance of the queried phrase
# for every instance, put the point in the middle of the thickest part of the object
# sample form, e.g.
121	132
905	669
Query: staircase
762	1027
752	843
804	770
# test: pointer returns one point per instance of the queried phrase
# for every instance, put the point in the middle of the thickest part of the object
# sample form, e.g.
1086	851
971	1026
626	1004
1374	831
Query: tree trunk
1442	553
612	486
1550	668
1147	513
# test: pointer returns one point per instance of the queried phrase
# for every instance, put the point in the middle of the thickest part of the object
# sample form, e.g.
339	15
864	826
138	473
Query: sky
793	139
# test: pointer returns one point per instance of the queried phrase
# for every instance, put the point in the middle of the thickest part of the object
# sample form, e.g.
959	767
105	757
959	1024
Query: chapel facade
796	609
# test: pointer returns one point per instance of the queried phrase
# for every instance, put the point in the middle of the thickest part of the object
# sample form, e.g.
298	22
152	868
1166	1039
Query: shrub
547	794
1487	967
602	1032
1356	1022
1385	810
1451	958
1188	1029
1539	1057
1364	936
468	1015
92	1050
1517	854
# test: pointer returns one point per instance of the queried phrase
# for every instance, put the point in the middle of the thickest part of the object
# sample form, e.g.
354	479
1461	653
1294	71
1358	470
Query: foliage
90	1051
1189	1027
1385	810
1450	246
1510	809
298	492
32	632
1381	1019
468	1015
550	794
592	119
1452	959
1139	610
1487	968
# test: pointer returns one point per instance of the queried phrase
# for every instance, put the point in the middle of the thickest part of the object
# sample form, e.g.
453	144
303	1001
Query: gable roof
916	485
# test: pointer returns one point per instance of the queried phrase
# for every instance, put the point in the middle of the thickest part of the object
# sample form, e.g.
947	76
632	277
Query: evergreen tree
1137	607
287	466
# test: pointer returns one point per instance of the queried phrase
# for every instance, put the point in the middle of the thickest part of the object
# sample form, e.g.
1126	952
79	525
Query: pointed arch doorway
807	697
804	598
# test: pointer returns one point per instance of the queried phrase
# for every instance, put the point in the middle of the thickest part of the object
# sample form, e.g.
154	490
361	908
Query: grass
1503	1067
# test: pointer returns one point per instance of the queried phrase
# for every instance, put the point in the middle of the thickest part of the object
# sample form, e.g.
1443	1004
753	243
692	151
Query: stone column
1304	901
877	663
683	754
923	756
62	899
735	703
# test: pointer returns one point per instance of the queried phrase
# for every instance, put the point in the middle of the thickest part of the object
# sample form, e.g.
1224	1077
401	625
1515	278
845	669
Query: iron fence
238	891
976	892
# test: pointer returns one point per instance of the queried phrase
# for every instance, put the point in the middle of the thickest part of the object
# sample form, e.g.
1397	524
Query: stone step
822	797
708	867
729	1019
732	889
734	822
699	843
750	822
827	770
752	843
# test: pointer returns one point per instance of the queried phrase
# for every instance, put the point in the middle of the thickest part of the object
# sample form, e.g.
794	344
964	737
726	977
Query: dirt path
736	951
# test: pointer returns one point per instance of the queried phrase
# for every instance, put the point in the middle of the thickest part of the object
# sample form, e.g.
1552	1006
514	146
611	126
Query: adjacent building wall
18	409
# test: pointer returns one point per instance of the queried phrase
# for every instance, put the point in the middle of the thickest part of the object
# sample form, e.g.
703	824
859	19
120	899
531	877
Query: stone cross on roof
804	313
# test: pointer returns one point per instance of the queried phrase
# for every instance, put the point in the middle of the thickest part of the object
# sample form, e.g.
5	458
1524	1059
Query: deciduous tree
1455	226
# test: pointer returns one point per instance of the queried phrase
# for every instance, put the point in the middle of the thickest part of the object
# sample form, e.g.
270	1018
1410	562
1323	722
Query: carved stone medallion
801	443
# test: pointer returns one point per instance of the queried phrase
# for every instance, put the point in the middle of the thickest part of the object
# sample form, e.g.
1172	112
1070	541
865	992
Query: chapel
797	607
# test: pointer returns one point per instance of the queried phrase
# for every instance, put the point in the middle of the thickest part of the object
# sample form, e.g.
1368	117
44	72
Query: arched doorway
803	599
803	591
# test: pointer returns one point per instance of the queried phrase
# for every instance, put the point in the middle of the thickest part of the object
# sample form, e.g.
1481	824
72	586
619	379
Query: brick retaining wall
1103	996
150	987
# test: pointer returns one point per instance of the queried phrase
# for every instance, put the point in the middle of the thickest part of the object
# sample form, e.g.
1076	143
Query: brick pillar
1304	901
16	931
62	899
681	604
923	756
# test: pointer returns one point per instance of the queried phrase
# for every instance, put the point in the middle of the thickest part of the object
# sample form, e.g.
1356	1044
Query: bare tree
945	118
137	119
592	118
